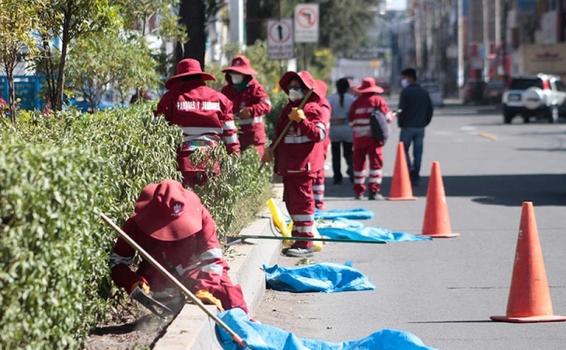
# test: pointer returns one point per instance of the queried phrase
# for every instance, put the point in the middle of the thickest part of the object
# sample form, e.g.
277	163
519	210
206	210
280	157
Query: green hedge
233	195
55	174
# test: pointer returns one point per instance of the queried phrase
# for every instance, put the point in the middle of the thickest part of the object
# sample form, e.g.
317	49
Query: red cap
186	68
240	64
368	85
168	212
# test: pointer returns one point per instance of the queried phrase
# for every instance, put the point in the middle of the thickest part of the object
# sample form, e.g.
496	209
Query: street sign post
280	44
306	23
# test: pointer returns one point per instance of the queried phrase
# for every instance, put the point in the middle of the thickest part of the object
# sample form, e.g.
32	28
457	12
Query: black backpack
379	126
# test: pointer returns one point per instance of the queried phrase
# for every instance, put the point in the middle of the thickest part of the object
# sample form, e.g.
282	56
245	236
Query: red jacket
204	114
302	149
197	259
252	130
326	114
359	115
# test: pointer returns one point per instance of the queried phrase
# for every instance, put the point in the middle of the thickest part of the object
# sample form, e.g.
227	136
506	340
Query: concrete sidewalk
192	329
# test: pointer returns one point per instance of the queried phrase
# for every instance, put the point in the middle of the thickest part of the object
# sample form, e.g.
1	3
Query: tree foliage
66	21
137	12
101	61
17	17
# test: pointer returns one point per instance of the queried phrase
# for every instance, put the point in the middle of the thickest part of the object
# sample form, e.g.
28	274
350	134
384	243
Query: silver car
541	96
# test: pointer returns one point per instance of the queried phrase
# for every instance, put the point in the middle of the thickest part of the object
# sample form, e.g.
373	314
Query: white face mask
236	78
296	94
404	82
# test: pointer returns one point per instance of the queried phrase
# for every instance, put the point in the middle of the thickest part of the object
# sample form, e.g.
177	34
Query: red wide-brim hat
240	64
368	85
168	212
321	87
303	76
188	67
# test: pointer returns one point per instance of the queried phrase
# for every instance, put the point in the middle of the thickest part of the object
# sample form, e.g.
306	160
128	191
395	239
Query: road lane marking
488	136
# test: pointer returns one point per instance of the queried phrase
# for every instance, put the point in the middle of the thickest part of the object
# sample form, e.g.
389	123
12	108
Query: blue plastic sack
264	337
321	277
354	214
370	234
354	230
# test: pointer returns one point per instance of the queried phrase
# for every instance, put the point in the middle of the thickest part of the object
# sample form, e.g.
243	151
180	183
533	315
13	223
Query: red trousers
318	189
374	151
299	199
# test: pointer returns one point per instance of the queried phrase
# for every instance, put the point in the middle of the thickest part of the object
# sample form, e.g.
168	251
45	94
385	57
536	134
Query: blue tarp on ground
264	337
321	277
354	214
347	229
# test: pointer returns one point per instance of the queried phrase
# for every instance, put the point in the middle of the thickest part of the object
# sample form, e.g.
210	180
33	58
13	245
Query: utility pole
237	22
461	46
498	47
497	24
485	22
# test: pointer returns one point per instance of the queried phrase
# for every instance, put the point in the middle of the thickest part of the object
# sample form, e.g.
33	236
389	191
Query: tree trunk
49	73
64	43
192	16
253	21
11	91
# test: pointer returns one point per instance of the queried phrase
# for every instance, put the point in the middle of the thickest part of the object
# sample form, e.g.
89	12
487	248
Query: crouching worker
300	155
173	226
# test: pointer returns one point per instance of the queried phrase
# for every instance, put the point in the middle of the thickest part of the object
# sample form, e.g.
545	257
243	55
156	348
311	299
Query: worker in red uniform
365	145
250	103
318	184
299	156
171	224
204	115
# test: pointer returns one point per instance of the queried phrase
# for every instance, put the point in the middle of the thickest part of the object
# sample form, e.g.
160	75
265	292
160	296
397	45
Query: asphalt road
444	291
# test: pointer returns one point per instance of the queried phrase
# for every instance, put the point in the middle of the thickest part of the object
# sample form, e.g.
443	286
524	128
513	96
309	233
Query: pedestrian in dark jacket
415	114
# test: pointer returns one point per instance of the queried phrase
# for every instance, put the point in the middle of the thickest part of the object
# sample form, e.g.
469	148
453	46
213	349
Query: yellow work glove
297	115
142	285
207	298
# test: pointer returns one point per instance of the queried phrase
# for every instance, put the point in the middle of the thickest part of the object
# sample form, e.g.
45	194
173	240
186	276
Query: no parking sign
280	44
306	23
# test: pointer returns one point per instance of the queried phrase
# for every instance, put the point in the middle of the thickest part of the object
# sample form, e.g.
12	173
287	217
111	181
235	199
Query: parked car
541	96
435	93
493	91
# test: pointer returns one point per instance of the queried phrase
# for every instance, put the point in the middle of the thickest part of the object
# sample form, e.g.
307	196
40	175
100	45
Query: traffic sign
306	23
280	43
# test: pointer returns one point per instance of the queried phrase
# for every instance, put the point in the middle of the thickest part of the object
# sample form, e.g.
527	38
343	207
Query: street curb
191	329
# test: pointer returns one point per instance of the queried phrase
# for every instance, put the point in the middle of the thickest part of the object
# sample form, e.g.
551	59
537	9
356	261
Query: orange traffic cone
529	297
401	189
436	220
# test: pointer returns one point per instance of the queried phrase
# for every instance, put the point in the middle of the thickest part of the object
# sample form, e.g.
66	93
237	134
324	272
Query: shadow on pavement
542	149
457	321
505	189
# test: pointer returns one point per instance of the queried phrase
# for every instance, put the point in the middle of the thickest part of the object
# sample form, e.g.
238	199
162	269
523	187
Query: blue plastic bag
264	337
354	230
354	214
370	234
322	277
